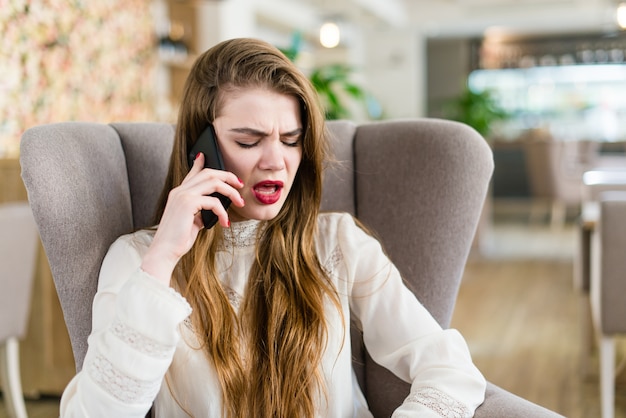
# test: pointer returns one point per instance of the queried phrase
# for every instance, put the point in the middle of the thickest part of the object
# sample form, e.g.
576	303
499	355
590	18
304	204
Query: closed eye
292	142
289	139
292	139
246	145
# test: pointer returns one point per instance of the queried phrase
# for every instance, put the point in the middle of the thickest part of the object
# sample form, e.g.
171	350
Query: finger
209	181
235	181
227	190
225	176
198	165
215	205
205	176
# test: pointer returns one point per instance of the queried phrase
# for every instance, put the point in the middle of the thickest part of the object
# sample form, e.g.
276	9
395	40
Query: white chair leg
607	376
11	379
586	334
557	215
537	211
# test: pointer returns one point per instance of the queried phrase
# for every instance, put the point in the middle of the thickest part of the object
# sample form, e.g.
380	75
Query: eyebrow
256	132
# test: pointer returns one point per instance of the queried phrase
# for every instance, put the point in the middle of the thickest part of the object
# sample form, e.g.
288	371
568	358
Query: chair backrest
79	178
18	251
419	184
609	264
555	167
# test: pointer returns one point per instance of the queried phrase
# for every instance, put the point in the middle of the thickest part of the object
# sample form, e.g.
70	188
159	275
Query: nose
272	157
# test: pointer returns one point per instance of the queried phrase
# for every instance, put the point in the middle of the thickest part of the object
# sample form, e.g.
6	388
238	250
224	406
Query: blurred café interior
544	81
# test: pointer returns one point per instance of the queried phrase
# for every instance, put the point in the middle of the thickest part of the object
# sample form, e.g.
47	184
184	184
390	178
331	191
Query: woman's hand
181	221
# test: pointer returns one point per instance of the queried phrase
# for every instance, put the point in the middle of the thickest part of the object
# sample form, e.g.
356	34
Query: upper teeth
266	189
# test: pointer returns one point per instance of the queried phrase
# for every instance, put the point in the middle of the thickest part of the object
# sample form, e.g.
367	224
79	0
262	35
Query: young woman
251	317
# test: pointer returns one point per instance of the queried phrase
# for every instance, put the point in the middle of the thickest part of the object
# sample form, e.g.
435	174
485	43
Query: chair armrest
501	403
609	264
421	185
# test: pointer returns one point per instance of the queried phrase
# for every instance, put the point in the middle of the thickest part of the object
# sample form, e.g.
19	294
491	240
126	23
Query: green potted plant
476	109
334	86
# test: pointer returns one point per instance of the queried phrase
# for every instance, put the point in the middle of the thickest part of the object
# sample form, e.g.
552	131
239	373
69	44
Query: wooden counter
11	186
47	363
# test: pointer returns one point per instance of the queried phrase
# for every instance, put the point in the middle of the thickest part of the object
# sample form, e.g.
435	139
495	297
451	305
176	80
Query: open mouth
268	192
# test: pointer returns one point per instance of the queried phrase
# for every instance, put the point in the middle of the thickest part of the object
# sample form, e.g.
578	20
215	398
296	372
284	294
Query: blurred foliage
293	50
332	83
335	87
476	109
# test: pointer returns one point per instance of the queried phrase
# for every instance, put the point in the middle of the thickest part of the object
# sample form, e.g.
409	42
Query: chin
260	214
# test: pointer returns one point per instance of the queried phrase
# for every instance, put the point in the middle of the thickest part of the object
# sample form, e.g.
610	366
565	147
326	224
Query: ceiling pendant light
330	35
621	15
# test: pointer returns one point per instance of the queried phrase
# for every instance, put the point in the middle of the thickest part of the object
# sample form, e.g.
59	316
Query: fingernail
198	154
229	223
240	181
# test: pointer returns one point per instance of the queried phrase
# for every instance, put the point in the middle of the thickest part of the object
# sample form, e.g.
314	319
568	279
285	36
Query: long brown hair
281	330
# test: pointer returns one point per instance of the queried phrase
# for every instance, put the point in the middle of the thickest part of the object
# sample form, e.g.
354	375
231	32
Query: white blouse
143	351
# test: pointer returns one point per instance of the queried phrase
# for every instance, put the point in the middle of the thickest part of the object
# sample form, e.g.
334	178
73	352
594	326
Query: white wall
389	63
395	70
223	20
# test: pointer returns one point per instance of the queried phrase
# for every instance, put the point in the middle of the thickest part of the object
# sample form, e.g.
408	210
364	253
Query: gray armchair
419	184
607	287
18	253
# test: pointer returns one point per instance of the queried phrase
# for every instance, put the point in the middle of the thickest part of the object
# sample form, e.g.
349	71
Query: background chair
555	169
608	287
419	184
18	249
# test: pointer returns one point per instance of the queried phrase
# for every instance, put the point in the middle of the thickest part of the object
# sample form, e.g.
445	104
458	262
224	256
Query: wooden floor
520	315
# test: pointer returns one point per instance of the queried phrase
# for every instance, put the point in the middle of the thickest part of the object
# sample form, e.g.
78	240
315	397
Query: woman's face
260	136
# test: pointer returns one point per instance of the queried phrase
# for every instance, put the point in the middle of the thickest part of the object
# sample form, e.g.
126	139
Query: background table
47	363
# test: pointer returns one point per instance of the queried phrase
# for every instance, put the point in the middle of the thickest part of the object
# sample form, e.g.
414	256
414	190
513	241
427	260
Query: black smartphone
207	144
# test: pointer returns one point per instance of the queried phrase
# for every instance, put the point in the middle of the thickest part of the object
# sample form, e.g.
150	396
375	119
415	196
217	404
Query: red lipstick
268	192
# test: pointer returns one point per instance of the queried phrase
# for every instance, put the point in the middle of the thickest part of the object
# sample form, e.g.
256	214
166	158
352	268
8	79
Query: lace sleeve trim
333	260
140	342
439	402
121	386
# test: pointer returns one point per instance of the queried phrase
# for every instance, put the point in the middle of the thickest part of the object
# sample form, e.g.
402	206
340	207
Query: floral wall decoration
75	60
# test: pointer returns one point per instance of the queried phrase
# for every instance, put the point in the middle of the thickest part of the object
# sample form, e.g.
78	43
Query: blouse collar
241	234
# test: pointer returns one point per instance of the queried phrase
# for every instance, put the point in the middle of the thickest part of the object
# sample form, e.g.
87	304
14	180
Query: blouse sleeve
401	335
132	342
